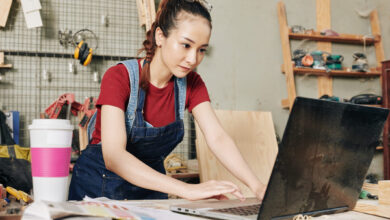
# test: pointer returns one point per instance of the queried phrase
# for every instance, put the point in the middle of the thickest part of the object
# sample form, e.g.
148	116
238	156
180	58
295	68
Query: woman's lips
185	68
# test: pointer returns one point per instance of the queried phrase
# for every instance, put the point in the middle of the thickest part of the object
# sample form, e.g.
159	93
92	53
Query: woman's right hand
211	189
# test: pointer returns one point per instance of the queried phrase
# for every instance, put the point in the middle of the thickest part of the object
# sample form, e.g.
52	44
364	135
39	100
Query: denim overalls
149	144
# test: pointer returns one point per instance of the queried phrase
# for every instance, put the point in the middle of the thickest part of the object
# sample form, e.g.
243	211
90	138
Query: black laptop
326	150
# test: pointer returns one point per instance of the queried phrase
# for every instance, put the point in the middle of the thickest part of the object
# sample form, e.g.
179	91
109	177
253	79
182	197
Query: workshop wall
43	68
246	53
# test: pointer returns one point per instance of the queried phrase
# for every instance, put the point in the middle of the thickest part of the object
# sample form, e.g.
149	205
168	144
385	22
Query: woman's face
184	48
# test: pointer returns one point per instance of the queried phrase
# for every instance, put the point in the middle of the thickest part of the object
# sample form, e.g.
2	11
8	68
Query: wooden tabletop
350	215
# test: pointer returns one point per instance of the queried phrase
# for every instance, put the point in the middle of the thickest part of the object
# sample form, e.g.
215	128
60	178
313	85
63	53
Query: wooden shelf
379	148
184	175
5	65
342	38
317	72
377	106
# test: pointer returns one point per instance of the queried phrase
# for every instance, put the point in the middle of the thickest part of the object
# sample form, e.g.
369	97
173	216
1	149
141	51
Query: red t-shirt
159	107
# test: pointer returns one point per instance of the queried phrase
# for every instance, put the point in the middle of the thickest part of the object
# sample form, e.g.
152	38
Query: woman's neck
159	73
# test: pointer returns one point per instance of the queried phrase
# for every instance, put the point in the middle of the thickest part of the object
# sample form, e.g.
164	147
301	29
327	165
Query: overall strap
181	84
133	70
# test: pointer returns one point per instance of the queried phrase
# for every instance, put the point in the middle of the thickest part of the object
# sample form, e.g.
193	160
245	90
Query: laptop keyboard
242	210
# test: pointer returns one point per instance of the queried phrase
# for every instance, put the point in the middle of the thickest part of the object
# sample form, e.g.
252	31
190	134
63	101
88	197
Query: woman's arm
225	149
130	168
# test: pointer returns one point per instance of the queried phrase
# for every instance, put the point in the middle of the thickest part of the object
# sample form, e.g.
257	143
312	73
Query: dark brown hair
166	19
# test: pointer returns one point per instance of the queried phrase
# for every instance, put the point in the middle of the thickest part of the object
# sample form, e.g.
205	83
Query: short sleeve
115	87
196	91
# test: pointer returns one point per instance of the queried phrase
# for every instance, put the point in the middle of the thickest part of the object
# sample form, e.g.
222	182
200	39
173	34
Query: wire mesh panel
42	58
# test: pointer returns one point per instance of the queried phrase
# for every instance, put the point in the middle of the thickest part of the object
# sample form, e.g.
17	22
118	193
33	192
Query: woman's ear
159	37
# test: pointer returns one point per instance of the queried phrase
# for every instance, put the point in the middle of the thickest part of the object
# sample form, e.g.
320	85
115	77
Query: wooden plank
325	83
386	104
375	28
285	41
311	71
141	12
342	38
372	188
254	134
285	103
372	207
6	66
2	65
148	16
1	58
384	192
192	171
5	7
152	10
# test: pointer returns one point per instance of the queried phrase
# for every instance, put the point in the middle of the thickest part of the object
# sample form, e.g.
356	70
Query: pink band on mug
50	162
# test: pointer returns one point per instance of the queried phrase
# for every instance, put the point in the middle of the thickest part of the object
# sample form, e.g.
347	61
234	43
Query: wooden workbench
340	216
164	204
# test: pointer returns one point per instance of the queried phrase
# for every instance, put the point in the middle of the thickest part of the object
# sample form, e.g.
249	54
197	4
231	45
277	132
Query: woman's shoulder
193	76
117	73
117	69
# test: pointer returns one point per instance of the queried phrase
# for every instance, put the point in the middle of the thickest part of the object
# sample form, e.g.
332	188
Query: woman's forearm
138	173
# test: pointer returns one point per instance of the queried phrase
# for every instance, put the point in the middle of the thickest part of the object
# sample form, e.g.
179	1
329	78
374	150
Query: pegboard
43	68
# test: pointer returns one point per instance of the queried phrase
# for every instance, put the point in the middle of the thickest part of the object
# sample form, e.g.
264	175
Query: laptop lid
326	150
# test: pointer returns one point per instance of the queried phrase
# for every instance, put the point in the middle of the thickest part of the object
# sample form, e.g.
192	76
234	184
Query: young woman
140	117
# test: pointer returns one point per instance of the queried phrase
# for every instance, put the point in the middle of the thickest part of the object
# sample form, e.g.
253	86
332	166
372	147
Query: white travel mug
50	141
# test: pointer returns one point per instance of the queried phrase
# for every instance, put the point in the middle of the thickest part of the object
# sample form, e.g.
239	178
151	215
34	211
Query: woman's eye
203	50
186	46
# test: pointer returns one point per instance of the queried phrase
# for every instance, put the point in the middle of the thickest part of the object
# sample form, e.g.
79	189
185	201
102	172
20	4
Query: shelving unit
324	43
2	65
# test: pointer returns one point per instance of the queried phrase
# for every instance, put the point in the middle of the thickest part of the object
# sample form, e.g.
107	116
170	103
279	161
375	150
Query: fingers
224	187
220	197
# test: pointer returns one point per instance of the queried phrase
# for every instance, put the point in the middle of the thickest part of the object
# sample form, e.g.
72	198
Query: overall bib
149	144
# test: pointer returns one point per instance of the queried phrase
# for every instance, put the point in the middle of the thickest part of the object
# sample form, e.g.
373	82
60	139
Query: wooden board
141	12
386	104
384	192
254	134
372	207
5	7
148	14
152	8
342	38
284	31
371	188
1	58
325	83
376	31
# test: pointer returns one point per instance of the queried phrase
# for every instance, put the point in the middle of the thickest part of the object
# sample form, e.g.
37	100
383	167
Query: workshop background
245	52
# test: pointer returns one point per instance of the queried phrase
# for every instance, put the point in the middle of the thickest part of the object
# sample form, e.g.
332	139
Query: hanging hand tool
63	106
88	109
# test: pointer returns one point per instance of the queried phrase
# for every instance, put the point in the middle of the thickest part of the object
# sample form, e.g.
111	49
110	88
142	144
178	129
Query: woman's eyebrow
186	38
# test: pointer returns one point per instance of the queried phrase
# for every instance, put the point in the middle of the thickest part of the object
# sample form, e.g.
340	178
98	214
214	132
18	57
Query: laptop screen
326	150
